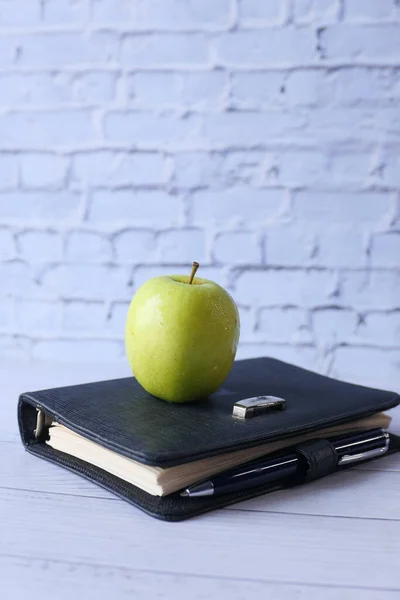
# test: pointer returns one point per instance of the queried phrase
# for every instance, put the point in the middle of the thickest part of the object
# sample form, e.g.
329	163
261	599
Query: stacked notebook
147	451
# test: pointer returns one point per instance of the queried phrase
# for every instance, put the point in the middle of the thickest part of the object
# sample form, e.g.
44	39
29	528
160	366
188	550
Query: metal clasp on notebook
42	421
252	407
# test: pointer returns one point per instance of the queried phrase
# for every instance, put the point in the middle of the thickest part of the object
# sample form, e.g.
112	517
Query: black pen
350	448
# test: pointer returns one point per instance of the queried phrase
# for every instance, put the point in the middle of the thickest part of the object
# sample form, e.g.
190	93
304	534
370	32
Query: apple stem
195	266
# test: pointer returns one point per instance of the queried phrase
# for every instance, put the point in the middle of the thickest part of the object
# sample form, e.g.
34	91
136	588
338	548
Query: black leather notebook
120	416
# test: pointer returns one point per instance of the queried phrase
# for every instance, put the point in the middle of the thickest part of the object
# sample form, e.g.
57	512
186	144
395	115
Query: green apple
181	336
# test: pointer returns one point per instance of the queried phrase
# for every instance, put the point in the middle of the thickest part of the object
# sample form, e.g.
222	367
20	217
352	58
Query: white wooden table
62	537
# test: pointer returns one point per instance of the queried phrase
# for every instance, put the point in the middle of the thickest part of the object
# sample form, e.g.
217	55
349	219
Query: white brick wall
258	137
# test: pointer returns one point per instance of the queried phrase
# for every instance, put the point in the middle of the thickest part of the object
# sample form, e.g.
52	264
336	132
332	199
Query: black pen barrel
256	474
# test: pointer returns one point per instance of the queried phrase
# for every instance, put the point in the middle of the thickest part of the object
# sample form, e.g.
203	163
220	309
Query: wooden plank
266	547
69	580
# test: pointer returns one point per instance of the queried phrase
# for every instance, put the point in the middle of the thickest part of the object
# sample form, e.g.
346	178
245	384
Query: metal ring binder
42	422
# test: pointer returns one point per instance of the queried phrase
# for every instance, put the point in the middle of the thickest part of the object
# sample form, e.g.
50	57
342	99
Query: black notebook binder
120	415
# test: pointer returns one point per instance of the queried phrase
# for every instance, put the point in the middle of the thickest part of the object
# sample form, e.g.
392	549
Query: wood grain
91	582
277	547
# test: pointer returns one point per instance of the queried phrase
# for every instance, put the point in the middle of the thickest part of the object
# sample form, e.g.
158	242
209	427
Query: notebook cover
120	415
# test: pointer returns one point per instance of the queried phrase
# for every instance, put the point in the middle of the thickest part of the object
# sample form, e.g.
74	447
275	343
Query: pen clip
352	458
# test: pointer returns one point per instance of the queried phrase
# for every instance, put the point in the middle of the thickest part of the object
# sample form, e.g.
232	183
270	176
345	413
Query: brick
40	246
247	324
288	325
391	172
219	169
380	329
193	90
181	16
361	85
112	169
144	89
302	88
43	170
217	274
258	89
15	346
204	90
57	88
141	207
7	244
164	50
117	317
63	49
290	246
181	246
300	168
359	42
195	169
376	290
9	48
31	206
253	13
369	366
236	205
284	287
88	351
15	278
65	11
111	11
368	10
94	87
142	274
35	89
341	127
316	11
6	314
341	247
237	247
238	167
151	129
350	169
91	282
19	12
303	356
333	326
37	315
327	207
8	171
385	251
255	48
240	129
35	129
87	246
135	246
302	246
169	15
280	88
79	315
